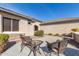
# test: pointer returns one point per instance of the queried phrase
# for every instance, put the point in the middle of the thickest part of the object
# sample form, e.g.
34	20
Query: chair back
53	45
25	39
63	44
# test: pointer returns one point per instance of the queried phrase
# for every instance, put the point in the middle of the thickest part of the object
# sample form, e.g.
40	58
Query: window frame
11	30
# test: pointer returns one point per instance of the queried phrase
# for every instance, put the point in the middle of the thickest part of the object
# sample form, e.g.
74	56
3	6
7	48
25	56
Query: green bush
3	38
75	29
50	34
39	33
57	34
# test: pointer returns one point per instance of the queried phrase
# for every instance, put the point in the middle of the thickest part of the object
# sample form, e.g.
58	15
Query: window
15	25
10	24
6	24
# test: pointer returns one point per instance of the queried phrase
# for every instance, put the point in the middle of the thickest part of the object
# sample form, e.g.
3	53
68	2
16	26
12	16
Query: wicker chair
62	45
58	47
52	47
34	45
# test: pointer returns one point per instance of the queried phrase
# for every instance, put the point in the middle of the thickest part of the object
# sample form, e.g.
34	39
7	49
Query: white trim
13	33
0	23
76	32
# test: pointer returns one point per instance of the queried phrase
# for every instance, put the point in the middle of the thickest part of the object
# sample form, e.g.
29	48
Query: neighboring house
60	26
15	23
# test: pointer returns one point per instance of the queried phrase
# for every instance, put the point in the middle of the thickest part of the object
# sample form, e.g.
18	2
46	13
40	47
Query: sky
45	11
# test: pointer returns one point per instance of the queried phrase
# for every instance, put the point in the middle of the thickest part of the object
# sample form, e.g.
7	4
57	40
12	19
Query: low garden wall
76	36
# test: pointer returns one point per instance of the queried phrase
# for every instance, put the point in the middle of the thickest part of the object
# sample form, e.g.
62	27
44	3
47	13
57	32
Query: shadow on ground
71	52
45	49
9	45
68	51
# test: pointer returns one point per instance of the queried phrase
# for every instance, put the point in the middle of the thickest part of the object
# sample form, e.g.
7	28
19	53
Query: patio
14	50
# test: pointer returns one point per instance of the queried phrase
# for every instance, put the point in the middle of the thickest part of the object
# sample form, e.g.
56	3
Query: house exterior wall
22	22
60	28
24	27
0	23
32	29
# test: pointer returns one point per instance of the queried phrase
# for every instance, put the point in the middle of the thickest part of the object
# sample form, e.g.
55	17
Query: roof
18	14
59	21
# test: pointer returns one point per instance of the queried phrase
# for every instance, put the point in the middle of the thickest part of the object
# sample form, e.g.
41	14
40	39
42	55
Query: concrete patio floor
15	49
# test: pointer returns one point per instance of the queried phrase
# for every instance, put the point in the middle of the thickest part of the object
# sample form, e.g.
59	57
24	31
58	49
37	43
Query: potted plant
3	41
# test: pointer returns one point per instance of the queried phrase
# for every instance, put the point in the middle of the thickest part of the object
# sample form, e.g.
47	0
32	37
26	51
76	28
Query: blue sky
45	11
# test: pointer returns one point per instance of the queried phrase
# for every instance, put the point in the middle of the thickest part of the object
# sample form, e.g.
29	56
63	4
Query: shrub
3	38
50	34
63	34
75	29
39	33
57	34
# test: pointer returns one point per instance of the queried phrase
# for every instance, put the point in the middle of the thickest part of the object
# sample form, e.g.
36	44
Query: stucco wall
28	29
31	27
23	23
24	27
60	28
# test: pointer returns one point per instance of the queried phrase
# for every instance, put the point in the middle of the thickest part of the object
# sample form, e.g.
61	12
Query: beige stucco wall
22	22
24	27
37	23
31	27
60	28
